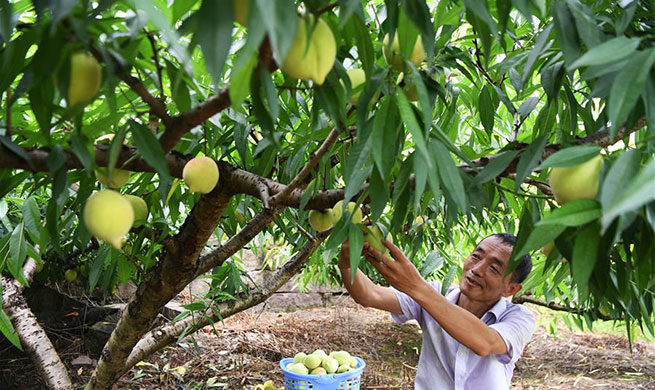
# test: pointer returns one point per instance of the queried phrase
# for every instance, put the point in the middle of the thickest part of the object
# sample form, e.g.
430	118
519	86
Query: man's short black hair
524	267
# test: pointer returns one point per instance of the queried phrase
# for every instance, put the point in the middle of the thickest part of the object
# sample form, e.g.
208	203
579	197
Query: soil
246	349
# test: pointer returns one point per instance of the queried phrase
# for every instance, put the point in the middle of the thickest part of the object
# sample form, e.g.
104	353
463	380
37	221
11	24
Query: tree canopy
439	149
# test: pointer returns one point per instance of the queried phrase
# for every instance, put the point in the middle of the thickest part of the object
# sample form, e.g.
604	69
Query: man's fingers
395	252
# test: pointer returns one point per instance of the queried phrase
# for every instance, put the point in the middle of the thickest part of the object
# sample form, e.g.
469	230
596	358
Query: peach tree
441	120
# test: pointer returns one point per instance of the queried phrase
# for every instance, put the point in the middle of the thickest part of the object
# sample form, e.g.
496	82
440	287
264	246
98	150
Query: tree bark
164	335
33	338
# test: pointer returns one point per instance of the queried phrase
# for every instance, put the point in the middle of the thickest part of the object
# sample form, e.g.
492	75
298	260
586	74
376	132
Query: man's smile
472	282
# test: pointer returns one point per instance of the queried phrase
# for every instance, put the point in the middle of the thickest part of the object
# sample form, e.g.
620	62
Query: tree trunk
163	336
32	336
173	272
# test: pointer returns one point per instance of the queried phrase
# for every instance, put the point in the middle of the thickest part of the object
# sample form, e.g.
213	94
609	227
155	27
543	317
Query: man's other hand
399	271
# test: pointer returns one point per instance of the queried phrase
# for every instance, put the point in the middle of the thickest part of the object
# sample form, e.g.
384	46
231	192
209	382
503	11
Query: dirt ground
246	349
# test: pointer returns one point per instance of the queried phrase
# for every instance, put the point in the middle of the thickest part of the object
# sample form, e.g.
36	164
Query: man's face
483	278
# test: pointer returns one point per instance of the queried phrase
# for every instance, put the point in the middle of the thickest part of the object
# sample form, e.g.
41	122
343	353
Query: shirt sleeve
516	329
411	309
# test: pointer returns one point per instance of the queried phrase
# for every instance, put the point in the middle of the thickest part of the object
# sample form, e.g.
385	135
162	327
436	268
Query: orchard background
464	138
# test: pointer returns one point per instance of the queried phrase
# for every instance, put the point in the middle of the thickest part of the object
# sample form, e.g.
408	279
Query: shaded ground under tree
246	350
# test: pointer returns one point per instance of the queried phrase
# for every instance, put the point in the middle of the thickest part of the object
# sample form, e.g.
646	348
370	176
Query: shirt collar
496	310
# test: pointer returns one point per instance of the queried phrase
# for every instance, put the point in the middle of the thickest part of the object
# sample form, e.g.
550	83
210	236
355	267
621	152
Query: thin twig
155	57
8	117
557	307
327	8
306	170
478	64
264	195
156	105
527	194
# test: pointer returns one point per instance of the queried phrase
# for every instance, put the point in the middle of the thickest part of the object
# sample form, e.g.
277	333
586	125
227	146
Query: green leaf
32	219
379	194
539	236
448	279
529	160
575	213
419	13
240	81
82	152
571	156
585	254
421	173
637	193
8	330
98	266
151	150
585	22
543	43
449	175
487	110
495	167
481	10
364	45
18	253
432	263
618	177
280	21
3	208
609	51
181	7
115	149
357	167
356	243
628	86
179	88
7	21
567	36
384	136
552	77
409	119
528	106
157	17
346	10
214	34
526	225
61	9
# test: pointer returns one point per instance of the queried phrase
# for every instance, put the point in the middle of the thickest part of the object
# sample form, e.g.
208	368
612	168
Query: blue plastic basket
346	381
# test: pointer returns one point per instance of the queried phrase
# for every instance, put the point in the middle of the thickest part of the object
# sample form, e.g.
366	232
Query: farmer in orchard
472	337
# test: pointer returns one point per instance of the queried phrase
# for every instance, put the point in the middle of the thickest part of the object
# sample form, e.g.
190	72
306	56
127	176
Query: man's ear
512	288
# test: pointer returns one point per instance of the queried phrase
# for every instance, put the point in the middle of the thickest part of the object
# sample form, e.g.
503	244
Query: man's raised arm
363	290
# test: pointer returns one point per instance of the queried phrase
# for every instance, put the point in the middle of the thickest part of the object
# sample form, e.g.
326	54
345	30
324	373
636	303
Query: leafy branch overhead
150	142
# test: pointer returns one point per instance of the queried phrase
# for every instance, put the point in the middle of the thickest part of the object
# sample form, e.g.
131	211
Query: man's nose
477	268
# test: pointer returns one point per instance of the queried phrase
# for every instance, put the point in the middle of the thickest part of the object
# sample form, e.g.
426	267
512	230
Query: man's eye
495	270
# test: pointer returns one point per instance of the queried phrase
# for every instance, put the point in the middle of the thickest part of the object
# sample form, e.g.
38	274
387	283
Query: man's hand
401	273
344	256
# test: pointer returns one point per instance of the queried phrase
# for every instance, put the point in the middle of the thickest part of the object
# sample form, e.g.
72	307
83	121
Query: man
472	337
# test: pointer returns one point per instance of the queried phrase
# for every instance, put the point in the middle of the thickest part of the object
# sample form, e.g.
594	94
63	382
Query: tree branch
158	338
155	57
243	182
216	257
557	307
156	105
183	123
306	170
